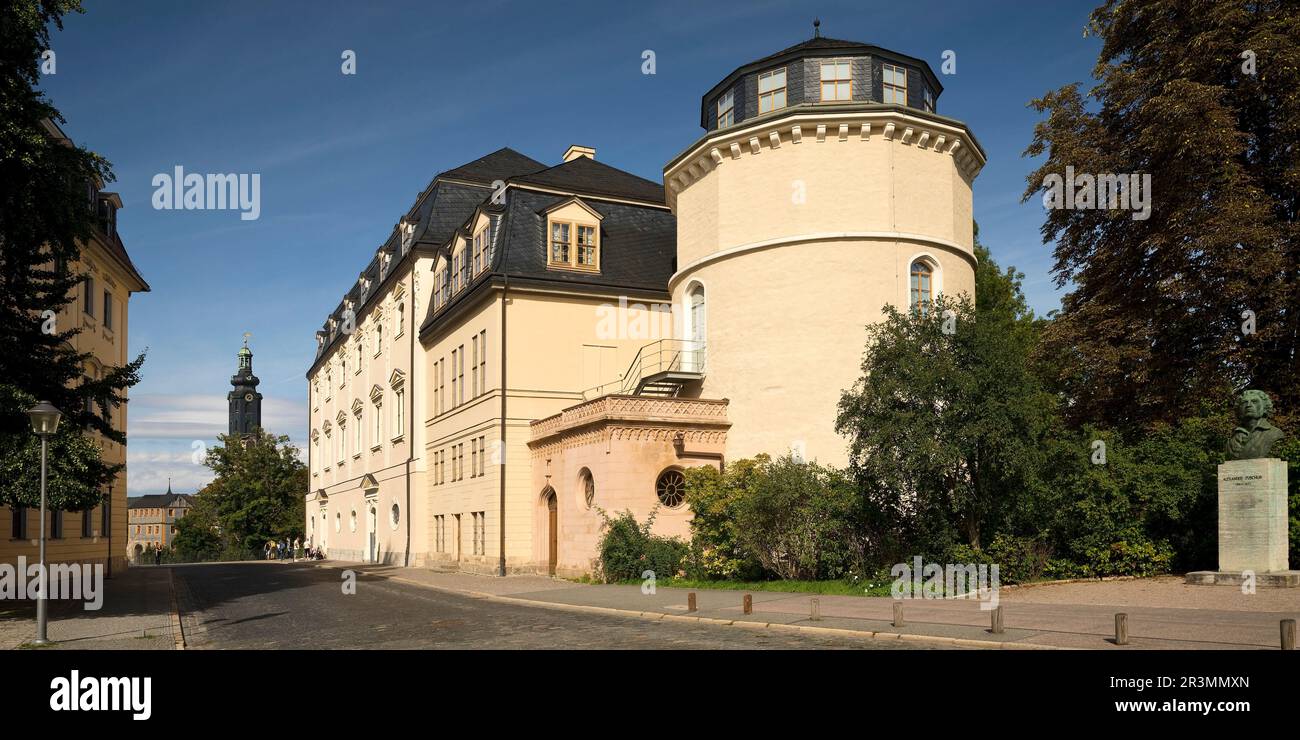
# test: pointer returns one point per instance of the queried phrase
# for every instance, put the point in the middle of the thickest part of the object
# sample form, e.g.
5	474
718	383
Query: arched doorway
372	534
552	529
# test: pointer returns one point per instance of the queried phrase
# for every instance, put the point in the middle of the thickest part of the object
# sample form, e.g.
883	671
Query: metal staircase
659	369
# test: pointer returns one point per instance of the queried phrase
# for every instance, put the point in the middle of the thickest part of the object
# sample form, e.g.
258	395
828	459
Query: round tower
825	186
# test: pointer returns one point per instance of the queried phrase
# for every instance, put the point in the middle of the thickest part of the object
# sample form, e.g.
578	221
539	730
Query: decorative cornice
903	126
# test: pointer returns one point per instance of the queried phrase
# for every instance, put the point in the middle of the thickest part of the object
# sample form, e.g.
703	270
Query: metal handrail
664	355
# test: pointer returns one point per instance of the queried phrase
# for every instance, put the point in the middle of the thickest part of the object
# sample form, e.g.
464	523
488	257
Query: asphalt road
260	607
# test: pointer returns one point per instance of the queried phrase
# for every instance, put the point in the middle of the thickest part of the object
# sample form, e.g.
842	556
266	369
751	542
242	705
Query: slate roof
438	211
586	175
638	243
502	164
159	501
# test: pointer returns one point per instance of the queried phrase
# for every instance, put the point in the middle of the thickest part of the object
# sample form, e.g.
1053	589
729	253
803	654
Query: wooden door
553	516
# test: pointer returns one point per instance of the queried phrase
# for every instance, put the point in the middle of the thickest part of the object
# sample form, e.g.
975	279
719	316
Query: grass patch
833	588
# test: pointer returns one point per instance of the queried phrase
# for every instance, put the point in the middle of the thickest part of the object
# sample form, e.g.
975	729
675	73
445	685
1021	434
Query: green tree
947	422
1204	96
46	214
258	494
198	533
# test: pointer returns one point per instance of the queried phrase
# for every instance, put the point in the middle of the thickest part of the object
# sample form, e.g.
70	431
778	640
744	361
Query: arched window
697	331
922	287
379	337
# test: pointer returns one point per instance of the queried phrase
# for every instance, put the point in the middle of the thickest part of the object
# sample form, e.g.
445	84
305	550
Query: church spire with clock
245	401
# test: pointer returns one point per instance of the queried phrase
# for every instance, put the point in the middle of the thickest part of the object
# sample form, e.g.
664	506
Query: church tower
245	401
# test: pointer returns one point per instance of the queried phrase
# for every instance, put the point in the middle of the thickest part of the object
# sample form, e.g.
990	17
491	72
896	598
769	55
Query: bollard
997	621
1288	634
690	601
749	604
898	614
816	615
1121	629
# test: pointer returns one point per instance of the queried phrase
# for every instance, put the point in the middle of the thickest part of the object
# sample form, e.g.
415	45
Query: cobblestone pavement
135	614
259	606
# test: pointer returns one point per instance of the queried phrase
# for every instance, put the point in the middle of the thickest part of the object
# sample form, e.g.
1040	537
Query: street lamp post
45	422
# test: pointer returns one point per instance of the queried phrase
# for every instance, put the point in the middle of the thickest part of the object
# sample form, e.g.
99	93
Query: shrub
628	549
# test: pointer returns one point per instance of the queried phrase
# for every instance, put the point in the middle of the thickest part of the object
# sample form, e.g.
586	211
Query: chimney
576	151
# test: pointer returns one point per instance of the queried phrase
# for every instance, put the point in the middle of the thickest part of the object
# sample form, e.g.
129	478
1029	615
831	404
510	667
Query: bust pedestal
1252	525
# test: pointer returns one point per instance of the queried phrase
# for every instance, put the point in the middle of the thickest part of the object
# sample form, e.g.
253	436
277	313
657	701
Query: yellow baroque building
586	335
101	309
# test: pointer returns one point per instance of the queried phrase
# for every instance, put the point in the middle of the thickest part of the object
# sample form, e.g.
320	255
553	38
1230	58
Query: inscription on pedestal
1253	515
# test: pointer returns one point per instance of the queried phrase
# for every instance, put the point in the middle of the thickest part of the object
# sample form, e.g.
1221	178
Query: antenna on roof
817	28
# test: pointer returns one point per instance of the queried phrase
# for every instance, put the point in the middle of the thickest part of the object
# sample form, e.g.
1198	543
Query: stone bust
1255	436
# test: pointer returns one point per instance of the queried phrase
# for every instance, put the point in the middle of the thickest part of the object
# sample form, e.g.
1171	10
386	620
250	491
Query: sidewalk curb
178	632
743	624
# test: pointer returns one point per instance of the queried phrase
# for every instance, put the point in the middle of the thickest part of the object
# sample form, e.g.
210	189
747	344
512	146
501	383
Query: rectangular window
482	361
88	523
108	310
379	423
560	243
482	454
464	267
88	304
442	384
19	528
442	469
439	530
574	245
56	524
895	90
473	365
587	246
771	90
727	109
928	99
460	373
399	411
480	250
361	441
480	533
453	378
473	458
836	81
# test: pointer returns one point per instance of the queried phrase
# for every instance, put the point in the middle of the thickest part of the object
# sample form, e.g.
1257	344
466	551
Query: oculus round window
671	488
588	489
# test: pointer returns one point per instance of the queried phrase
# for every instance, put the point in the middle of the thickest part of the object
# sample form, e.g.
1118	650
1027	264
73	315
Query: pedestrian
297	548
157	556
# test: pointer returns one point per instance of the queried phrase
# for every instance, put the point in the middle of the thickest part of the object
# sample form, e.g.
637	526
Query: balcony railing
680	359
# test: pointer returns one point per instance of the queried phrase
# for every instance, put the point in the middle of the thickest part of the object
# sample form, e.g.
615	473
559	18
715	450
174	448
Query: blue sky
256	87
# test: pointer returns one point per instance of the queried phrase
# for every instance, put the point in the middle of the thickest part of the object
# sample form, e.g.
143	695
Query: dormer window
727	109
836	81
574	241
927	99
771	90
895	90
464	268
408	234
480	250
